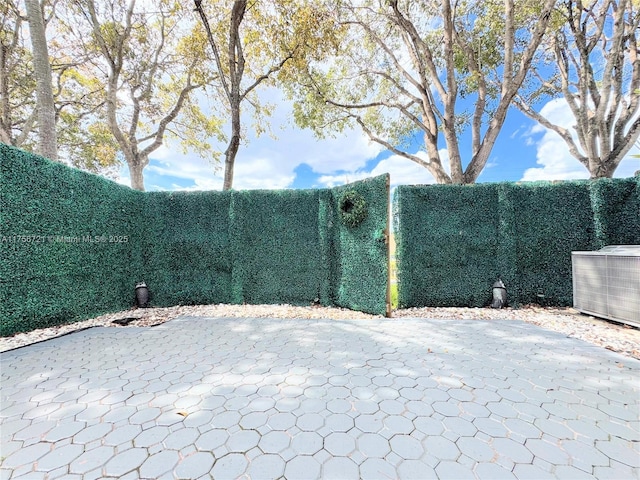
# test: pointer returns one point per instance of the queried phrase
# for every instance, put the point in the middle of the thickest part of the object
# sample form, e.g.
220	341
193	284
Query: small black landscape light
142	295
499	295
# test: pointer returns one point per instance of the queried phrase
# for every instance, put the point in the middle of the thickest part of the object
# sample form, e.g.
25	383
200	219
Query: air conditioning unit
606	283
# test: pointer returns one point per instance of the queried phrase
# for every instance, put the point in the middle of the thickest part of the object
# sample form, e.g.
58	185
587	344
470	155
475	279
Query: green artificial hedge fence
69	243
74	245
185	248
276	249
454	241
444	237
359	260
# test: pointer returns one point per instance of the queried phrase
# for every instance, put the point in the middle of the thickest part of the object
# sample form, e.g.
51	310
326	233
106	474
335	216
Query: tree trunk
135	171
435	164
232	149
440	175
602	167
5	113
47	145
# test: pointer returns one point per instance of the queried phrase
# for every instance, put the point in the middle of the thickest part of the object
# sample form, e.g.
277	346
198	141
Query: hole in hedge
347	206
353	208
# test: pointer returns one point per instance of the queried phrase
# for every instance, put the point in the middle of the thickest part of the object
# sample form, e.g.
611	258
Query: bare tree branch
604	101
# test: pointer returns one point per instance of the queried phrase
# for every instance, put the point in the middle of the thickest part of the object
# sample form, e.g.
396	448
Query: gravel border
612	336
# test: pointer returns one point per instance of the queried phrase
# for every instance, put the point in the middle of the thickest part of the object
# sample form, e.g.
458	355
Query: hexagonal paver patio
361	399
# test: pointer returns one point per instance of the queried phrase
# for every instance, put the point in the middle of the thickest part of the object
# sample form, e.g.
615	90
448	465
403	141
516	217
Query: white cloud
261	173
553	155
182	166
164	152
348	151
403	172
188	167
262	162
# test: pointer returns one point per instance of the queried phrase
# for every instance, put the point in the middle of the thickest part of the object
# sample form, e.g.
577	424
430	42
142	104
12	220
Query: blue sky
296	159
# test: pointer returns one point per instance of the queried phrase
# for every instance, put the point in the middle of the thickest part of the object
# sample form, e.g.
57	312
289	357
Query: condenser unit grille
606	283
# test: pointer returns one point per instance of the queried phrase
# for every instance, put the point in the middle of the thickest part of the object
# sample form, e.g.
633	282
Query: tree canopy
255	44
432	67
591	59
126	76
80	141
151	61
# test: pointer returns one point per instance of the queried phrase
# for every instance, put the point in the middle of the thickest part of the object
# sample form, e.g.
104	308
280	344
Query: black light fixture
499	295
142	295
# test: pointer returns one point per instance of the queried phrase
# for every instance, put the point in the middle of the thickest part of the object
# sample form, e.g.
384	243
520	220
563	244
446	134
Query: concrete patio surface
354	399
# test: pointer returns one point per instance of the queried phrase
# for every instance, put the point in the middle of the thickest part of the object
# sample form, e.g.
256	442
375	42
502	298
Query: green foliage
73	245
394	296
91	147
143	75
455	241
18	84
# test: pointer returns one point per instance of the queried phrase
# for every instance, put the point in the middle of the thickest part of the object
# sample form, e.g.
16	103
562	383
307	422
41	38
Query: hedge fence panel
186	248
276	249
616	207
69	243
360	274
552	221
455	241
327	247
447	243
